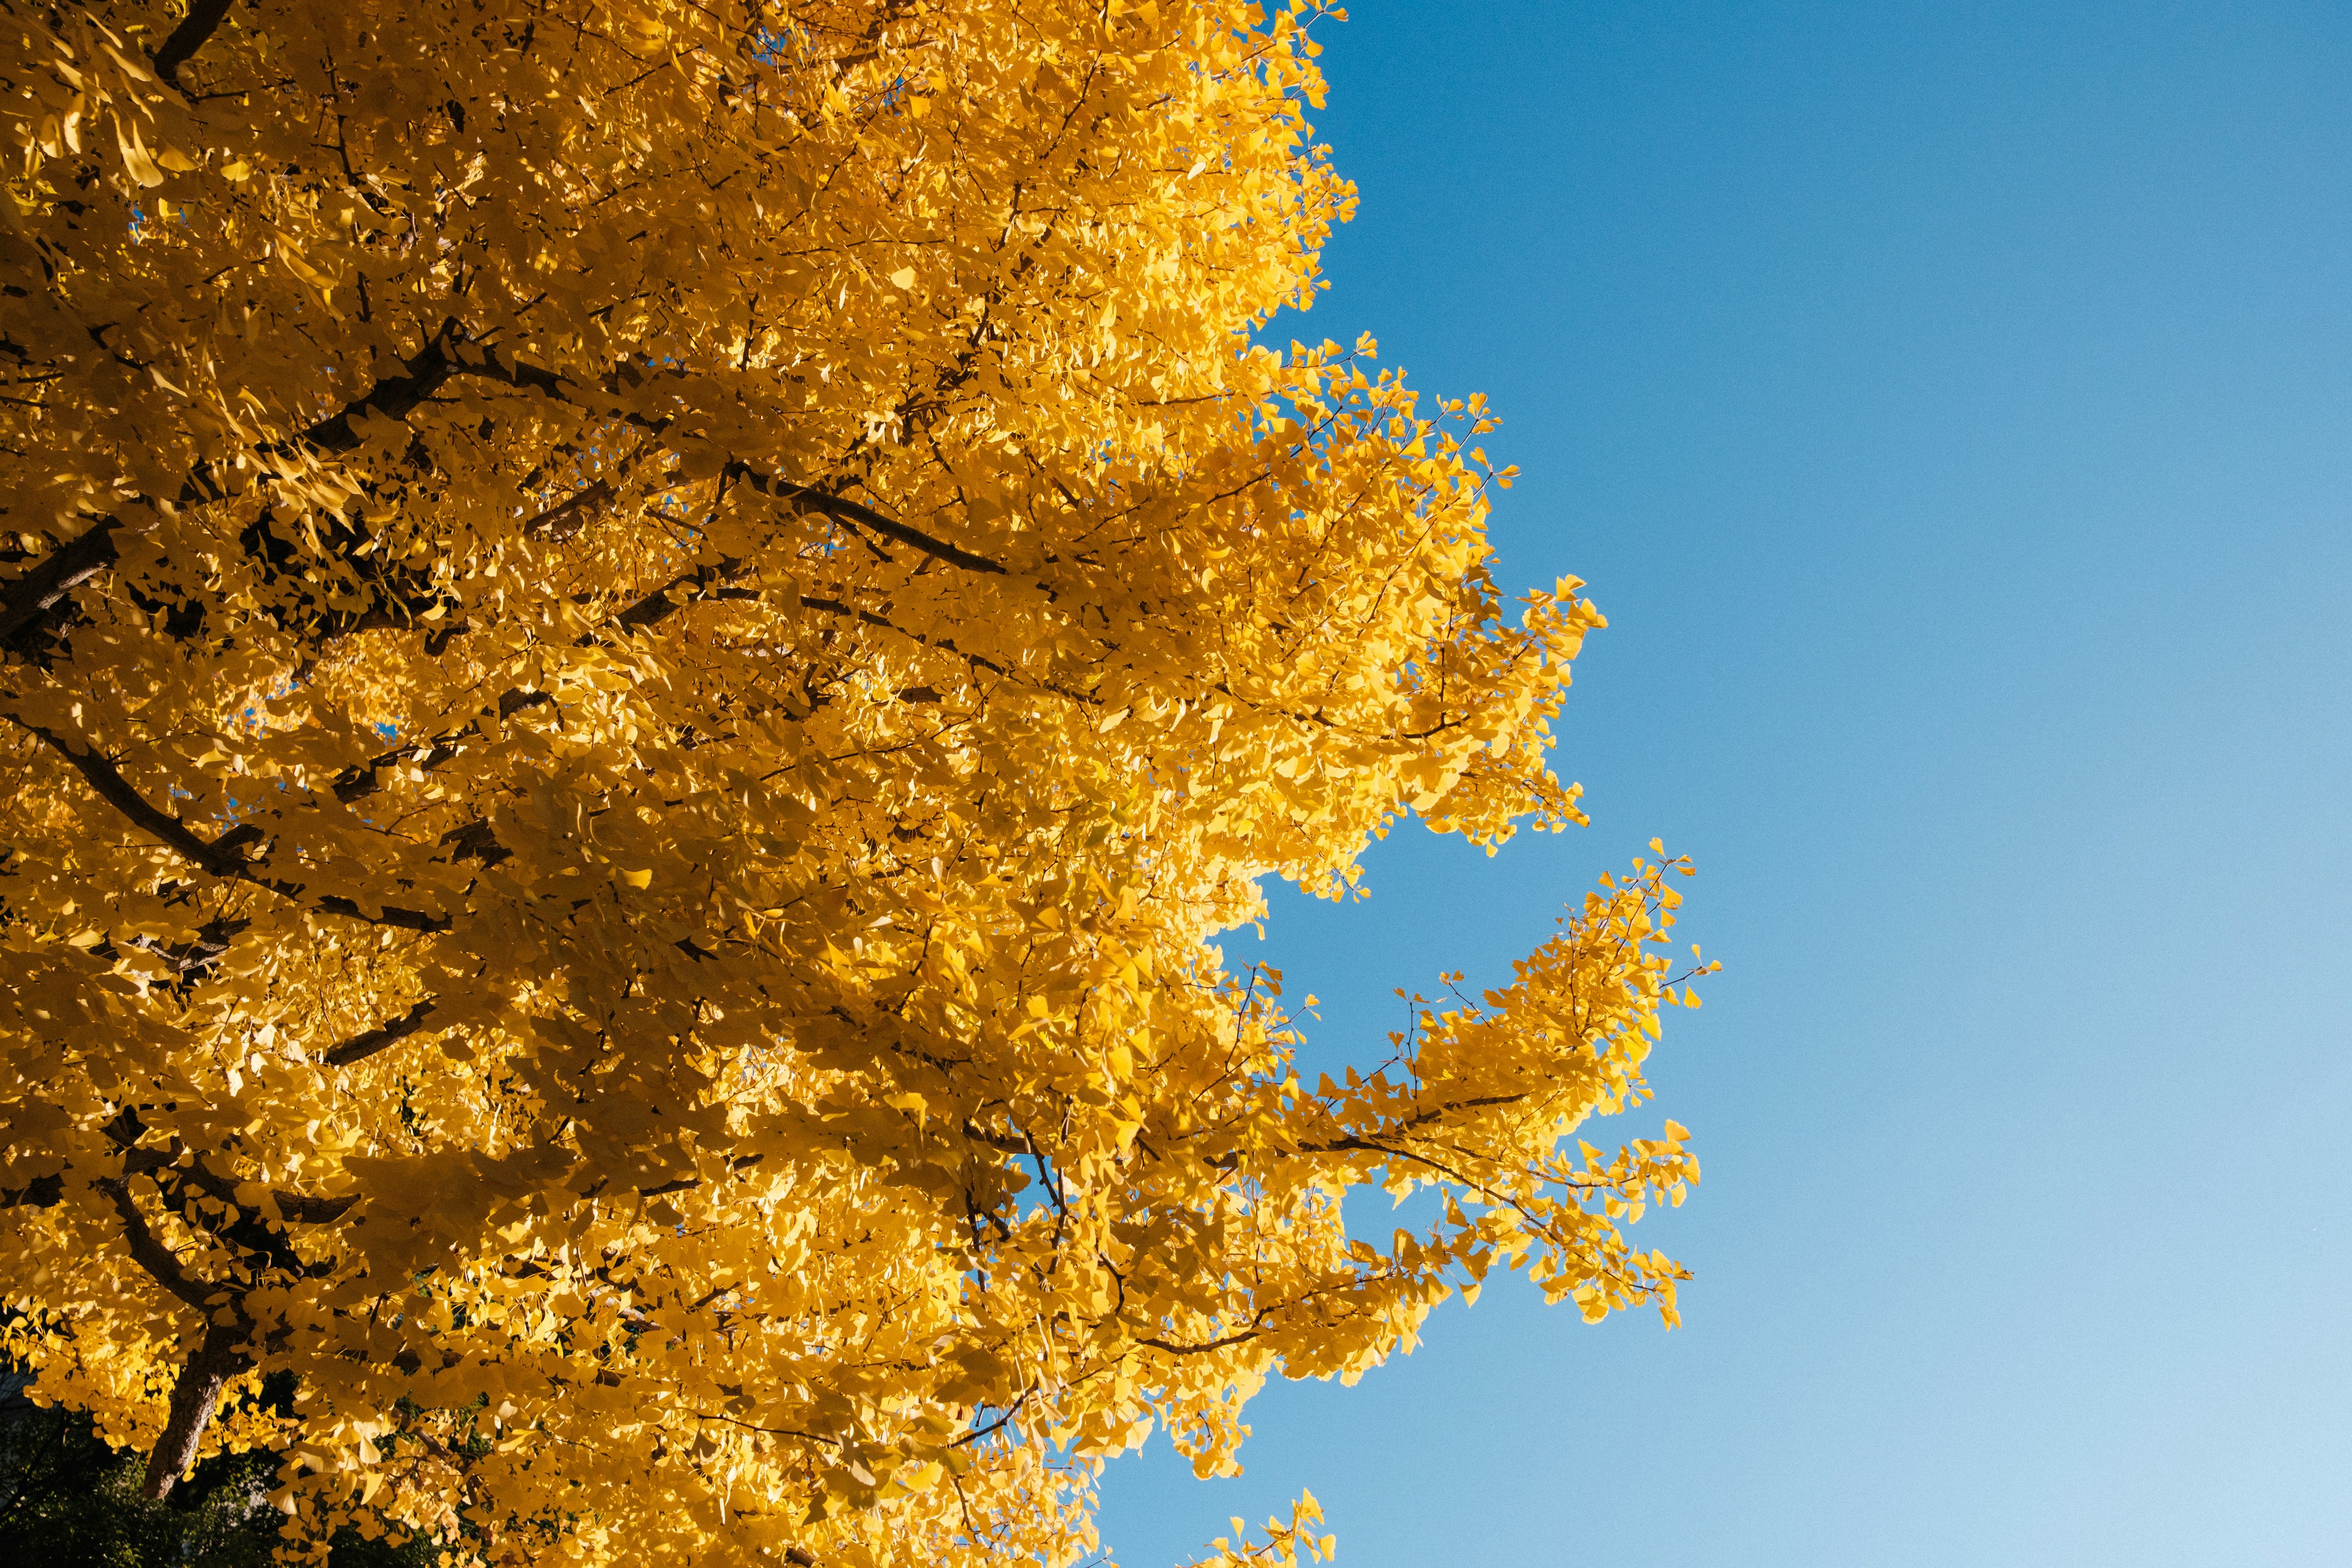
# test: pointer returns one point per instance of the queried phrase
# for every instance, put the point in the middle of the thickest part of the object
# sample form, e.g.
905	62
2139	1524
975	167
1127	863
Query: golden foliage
645	645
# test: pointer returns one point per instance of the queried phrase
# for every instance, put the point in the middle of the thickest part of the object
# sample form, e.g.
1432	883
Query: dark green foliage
69	1500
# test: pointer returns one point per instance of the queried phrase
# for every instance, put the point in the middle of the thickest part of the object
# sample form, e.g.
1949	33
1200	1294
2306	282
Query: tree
645	646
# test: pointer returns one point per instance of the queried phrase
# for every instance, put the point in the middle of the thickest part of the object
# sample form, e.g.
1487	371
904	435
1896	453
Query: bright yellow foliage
645	646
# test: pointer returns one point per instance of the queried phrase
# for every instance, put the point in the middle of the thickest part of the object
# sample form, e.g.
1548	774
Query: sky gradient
1950	407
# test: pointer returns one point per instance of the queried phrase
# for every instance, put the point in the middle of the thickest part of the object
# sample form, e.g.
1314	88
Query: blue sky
1952	408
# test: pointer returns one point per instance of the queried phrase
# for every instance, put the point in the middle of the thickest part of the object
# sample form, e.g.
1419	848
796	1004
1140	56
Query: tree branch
843	510
222	856
836	608
517	374
195	29
1356	1143
107	782
248	1232
204	1376
359	1048
195	1394
394	397
66	568
55	574
688	1183
152	1255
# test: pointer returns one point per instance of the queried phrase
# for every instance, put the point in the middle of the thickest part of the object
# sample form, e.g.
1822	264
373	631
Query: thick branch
248	1230
300	1208
189	959
195	1394
66	568
394	397
150	1254
107	782
364	779
38	593
568	516
195	29
55	574
359	1048
688	1183
663	602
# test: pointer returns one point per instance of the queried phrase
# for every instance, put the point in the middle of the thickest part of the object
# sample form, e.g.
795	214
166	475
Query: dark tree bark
203	1378
195	29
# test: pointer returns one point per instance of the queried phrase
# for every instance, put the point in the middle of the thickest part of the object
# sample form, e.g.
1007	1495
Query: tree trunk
195	1396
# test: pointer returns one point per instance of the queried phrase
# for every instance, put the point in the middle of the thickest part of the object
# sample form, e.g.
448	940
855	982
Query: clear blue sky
1952	408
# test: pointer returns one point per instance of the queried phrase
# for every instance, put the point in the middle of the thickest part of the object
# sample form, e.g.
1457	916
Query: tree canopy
645	647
